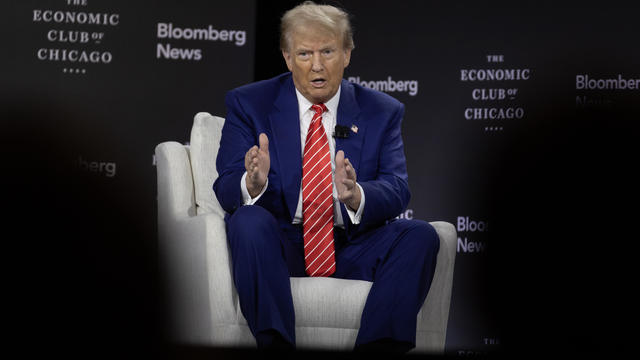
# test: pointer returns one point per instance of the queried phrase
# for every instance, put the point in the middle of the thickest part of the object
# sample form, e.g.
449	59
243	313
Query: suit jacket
270	106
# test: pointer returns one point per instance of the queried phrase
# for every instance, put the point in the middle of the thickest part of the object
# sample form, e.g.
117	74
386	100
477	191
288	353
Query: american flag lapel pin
354	129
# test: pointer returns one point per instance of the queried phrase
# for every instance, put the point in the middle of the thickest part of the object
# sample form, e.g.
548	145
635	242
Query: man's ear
287	58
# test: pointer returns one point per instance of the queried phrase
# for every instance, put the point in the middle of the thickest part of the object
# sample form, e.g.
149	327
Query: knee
250	217
251	223
423	236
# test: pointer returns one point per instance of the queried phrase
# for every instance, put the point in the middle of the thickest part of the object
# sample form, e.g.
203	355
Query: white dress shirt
329	123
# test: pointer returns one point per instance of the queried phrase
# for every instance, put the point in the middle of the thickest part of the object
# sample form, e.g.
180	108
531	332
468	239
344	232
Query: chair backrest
205	141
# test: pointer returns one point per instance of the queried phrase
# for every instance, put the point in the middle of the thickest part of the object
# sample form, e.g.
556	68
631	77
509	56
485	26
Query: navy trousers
399	258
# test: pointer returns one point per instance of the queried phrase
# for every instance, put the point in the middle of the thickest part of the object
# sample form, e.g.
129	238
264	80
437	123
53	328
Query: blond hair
330	18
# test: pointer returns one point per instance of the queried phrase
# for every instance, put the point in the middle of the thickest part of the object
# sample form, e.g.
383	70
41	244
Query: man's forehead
313	36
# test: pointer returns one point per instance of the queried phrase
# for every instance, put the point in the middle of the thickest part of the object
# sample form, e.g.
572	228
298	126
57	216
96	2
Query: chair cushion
329	302
205	141
326	302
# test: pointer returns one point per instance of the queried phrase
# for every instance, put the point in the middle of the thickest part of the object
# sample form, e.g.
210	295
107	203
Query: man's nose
316	63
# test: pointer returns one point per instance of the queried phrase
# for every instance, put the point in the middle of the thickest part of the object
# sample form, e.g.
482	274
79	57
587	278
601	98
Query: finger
345	196
250	151
264	142
351	173
349	184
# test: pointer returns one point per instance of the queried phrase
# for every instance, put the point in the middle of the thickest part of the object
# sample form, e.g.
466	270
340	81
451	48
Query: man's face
317	61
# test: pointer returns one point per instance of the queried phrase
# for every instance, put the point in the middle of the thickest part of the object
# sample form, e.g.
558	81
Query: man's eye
327	52
303	54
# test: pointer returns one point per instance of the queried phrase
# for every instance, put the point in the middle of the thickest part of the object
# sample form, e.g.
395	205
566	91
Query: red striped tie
317	200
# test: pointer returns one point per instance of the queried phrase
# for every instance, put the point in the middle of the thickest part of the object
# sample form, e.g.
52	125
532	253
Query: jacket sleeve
387	195
238	136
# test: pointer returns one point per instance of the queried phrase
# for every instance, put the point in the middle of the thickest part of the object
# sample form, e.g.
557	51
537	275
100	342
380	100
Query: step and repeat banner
88	89
517	117
124	76
520	117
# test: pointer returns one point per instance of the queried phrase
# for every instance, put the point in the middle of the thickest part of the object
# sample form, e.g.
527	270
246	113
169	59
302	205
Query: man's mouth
318	83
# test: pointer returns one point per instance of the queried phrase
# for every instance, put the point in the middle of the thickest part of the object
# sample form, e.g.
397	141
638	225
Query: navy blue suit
397	255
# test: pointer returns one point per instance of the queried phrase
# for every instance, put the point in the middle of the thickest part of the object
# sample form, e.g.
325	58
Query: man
297	206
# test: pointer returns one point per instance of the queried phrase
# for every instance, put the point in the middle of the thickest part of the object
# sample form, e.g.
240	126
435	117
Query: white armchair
202	303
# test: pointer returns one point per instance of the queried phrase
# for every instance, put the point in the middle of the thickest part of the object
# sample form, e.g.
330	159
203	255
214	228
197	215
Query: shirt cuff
246	198
356	216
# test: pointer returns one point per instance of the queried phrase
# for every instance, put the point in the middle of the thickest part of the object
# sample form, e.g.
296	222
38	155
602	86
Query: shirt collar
332	105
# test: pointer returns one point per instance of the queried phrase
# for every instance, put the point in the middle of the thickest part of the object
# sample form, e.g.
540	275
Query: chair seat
329	302
326	302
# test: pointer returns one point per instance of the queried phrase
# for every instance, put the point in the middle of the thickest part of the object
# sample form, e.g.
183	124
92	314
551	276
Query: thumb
339	159
264	142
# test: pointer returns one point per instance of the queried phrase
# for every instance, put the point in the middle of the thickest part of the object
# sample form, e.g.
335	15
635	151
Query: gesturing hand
348	192
257	163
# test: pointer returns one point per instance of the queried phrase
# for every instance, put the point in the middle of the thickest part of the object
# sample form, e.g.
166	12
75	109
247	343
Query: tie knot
319	108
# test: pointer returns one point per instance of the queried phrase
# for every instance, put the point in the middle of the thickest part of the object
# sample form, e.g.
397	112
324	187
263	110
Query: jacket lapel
285	124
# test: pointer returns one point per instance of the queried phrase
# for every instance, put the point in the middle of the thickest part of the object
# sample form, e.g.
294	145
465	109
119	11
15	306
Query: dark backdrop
543	200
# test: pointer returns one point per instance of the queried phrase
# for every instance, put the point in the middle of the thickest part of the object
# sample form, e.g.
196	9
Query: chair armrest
176	197
434	315
196	273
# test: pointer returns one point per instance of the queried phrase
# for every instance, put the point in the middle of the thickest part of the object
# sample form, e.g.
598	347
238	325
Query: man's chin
318	97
